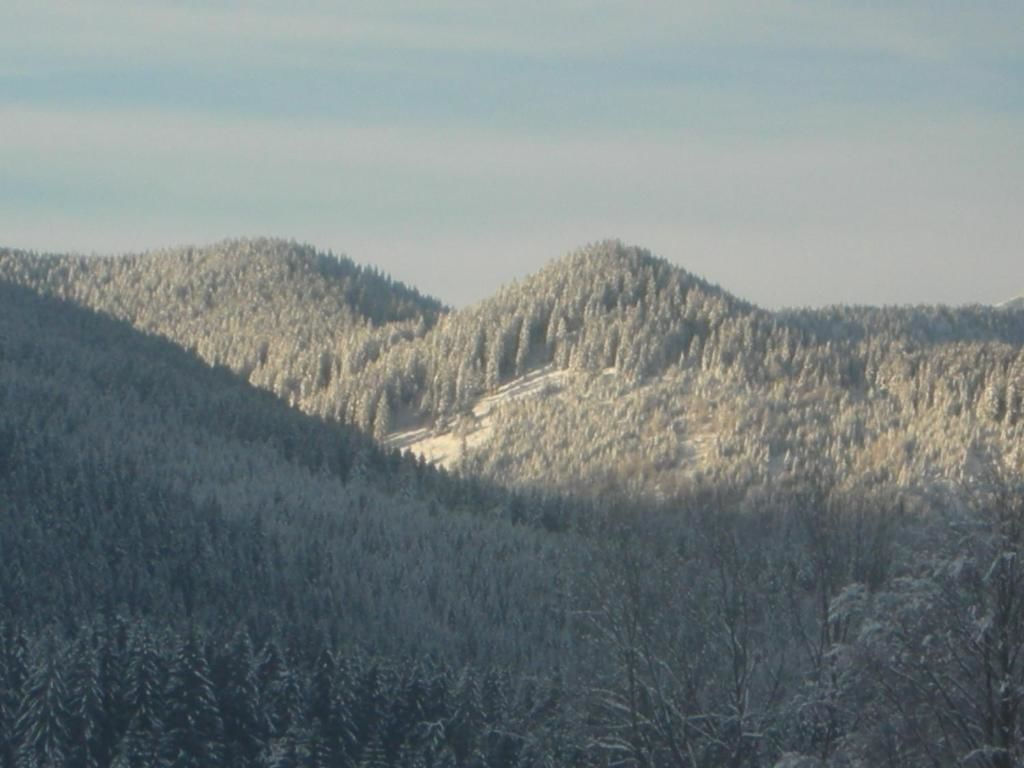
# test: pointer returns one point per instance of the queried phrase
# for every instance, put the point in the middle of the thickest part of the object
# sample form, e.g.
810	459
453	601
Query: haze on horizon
794	153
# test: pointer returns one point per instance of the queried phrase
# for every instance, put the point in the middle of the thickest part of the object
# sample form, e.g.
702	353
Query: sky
797	153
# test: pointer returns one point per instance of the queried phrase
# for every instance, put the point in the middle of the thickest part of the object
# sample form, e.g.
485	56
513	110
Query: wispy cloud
752	142
940	191
183	30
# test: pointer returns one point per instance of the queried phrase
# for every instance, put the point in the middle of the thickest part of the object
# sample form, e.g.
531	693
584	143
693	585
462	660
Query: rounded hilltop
1012	304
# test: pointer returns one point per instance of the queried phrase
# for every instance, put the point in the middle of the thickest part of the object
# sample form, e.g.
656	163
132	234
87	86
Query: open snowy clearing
448	447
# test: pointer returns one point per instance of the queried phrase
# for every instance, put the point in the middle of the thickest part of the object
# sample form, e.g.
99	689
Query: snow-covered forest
671	381
672	528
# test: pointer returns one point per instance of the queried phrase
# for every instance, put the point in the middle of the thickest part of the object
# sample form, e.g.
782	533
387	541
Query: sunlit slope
655	380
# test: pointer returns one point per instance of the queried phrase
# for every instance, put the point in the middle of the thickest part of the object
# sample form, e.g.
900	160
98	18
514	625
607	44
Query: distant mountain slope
604	306
299	324
669	381
194	572
664	380
278	312
135	479
917	325
1017	303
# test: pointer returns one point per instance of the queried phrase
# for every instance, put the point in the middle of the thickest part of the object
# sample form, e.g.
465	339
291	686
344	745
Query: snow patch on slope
470	431
699	448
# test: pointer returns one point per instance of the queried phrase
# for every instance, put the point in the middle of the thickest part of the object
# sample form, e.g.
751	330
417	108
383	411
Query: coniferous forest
260	506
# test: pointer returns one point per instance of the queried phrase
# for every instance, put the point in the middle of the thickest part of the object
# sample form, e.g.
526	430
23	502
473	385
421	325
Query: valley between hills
655	381
265	506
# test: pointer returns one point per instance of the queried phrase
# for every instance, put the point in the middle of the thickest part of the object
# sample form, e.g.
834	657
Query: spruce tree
194	731
14	672
91	734
245	720
44	719
144	695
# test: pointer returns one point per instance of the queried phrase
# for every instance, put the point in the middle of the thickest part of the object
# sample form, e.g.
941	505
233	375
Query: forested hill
136	479
335	339
279	312
195	573
250	279
609	371
914	325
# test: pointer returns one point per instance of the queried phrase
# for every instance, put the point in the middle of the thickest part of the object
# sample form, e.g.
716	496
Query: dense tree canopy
737	538
669	379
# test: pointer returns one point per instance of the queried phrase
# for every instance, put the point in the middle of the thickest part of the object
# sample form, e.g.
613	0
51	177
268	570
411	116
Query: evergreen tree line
118	692
808	628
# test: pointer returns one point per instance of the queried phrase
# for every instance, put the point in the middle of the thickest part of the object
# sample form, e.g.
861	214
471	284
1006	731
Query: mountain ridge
766	559
705	384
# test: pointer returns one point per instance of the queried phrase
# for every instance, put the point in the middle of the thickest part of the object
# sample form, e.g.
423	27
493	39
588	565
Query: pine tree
523	346
140	745
194	731
495	353
280	691
465	721
409	711
14	672
562	347
993	401
382	418
369	704
44	719
1015	400
245	721
91	734
332	733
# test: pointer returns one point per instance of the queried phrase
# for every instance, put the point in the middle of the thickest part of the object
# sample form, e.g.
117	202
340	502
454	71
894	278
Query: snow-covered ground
699	448
447	447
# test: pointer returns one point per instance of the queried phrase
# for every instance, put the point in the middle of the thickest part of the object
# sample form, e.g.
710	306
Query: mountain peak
613	262
612	254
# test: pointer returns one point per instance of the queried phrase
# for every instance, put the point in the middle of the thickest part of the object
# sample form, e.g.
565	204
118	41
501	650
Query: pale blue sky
795	152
